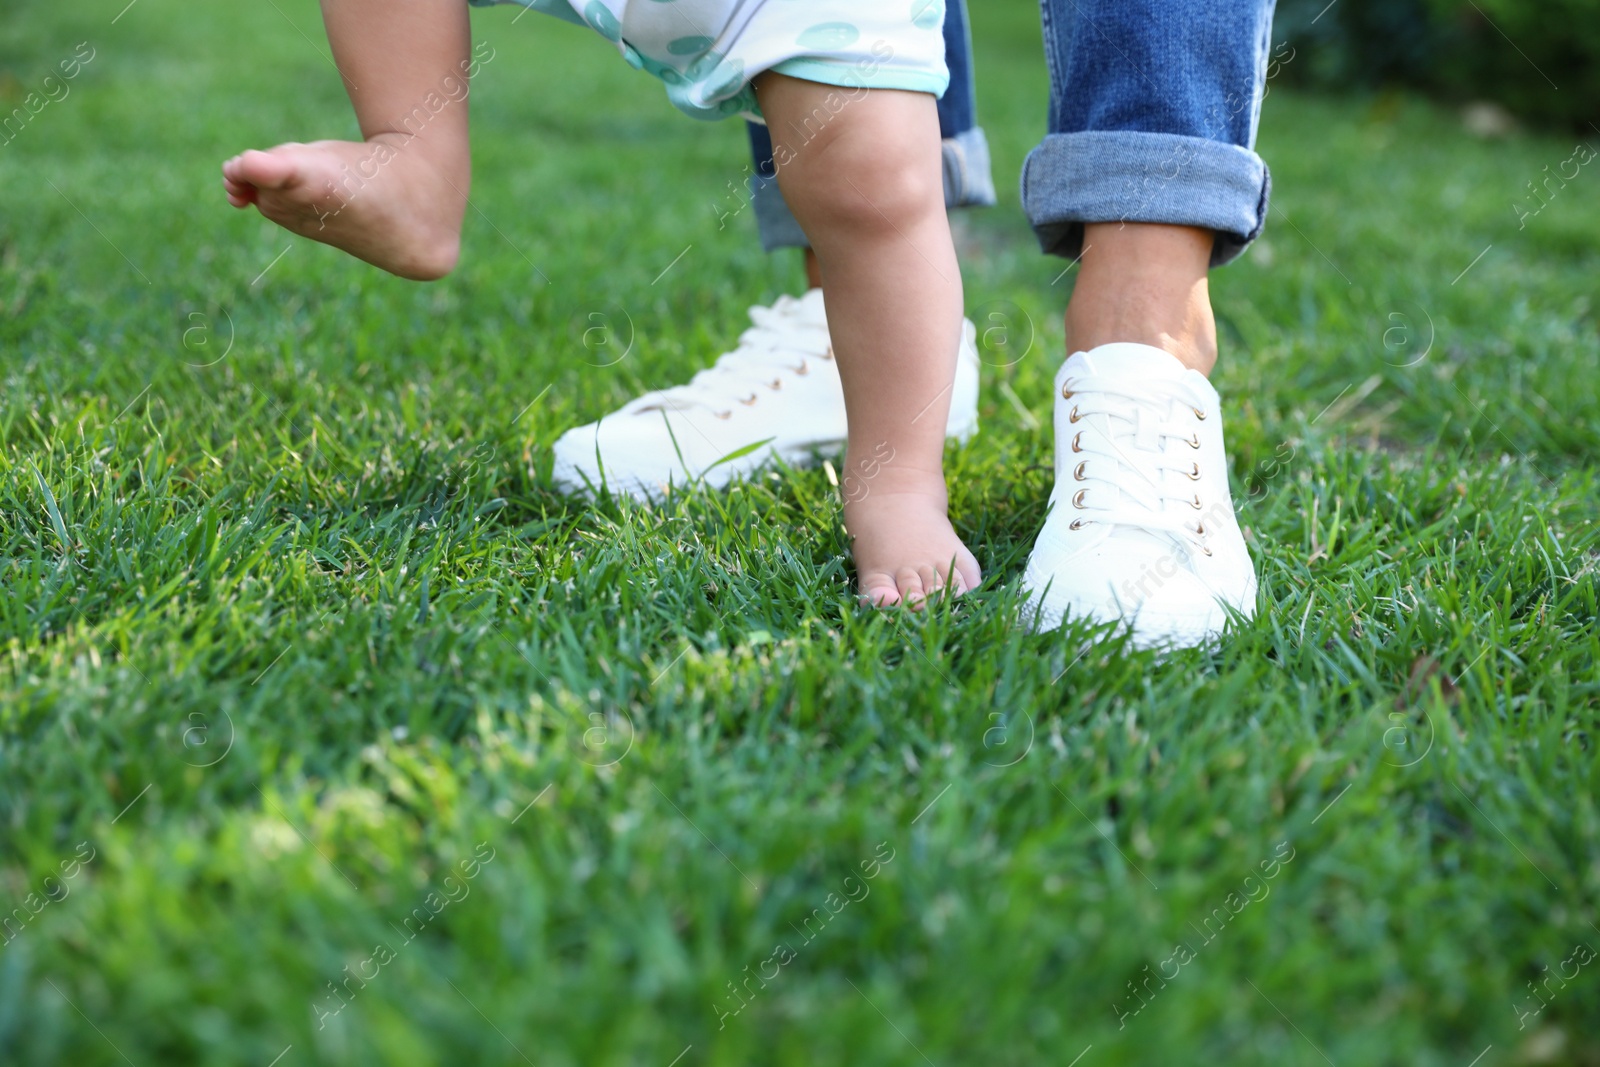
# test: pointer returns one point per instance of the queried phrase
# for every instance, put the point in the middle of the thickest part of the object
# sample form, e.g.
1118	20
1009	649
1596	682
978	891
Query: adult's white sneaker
779	390
1141	525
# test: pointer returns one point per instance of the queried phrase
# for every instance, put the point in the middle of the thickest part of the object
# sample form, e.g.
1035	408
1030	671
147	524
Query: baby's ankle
434	201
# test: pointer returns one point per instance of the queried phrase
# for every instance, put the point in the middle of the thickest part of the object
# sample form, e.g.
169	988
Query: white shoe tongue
1125	358
809	308
1146	431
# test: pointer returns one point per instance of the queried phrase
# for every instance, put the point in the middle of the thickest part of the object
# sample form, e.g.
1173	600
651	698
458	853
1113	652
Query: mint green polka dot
689	46
600	17
725	79
828	36
702	67
927	14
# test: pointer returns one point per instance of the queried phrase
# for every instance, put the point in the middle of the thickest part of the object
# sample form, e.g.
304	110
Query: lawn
331	734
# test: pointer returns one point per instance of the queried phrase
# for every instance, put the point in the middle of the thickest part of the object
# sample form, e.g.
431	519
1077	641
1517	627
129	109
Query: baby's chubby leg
861	171
397	198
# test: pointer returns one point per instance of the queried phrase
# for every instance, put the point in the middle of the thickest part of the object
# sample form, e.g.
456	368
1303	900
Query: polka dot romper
707	51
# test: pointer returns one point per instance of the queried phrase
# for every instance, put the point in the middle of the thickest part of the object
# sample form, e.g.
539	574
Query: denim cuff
1122	176
968	180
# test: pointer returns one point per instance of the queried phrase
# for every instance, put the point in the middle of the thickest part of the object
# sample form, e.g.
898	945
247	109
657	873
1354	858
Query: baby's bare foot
904	546
378	200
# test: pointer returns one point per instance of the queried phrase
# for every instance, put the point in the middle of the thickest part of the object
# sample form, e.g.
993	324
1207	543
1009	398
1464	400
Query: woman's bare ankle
1185	328
1147	284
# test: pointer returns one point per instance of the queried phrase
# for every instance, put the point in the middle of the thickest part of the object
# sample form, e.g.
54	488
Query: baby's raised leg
861	169
396	198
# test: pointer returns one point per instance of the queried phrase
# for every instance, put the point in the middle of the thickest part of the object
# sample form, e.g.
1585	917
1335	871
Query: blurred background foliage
1540	61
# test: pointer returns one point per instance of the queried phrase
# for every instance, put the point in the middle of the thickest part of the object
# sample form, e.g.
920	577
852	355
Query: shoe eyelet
1077	439
1075	524
1206	550
802	370
1077	498
1199	414
777	383
1200	528
1077	475
1066	392
1193	442
829	353
747	401
1195	503
1074	416
724	414
1195	474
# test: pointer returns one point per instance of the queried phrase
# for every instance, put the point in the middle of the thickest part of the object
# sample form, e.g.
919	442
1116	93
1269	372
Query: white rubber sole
570	478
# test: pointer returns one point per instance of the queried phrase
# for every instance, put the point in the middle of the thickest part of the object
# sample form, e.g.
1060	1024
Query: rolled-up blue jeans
1154	106
967	180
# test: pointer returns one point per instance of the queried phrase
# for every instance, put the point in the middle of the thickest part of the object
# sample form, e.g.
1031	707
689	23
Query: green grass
288	637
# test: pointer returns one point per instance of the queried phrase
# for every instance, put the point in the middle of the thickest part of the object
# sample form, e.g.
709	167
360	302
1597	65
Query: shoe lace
778	343
1135	455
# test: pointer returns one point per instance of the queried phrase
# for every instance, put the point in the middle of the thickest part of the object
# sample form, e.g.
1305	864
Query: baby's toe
967	575
933	584
878	590
957	582
909	583
264	170
239	194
